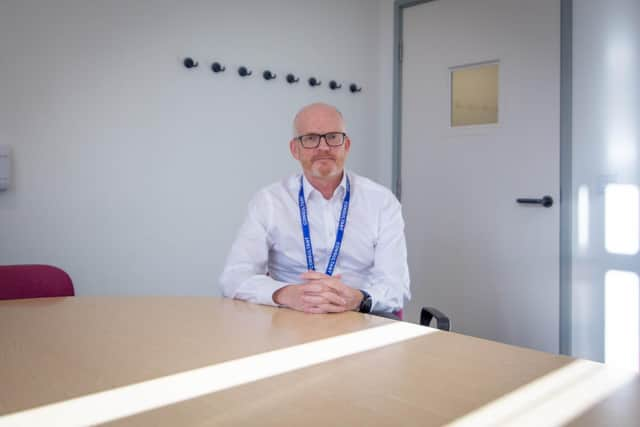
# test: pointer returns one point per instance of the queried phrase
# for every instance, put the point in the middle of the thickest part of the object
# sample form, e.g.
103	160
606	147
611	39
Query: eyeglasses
312	140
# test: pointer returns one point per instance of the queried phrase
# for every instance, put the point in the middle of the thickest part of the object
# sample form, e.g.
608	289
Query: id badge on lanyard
308	248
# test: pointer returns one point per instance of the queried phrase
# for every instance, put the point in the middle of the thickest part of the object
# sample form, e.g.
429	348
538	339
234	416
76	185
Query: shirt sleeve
245	273
388	283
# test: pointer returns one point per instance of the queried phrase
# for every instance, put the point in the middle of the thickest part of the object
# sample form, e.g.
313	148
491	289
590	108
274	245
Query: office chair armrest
428	313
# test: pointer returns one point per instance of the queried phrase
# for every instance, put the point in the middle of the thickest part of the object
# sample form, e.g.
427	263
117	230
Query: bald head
315	115
324	162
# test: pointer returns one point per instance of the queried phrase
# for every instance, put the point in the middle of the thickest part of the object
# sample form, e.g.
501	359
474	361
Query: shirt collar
340	190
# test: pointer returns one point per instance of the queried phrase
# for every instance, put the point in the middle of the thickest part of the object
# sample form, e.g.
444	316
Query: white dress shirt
269	253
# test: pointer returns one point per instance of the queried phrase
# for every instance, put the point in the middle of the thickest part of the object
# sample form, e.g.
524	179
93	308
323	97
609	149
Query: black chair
428	313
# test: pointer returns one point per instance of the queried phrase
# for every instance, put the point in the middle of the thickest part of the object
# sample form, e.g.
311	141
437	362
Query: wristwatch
365	304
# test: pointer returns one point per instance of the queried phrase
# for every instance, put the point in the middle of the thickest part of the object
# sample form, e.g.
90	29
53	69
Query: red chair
34	281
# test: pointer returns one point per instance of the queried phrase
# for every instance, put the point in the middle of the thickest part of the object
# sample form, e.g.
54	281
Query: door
490	263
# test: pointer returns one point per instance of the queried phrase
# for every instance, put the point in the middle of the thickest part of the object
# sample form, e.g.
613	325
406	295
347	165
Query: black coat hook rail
268	75
244	72
216	67
189	63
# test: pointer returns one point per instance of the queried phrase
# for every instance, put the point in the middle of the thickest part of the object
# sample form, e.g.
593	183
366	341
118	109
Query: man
323	241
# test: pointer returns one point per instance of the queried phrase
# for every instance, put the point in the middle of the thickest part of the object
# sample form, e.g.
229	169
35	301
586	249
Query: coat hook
244	72
314	82
190	63
334	85
292	79
354	88
268	75
216	67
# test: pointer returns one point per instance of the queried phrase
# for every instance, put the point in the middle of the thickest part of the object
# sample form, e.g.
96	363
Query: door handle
546	201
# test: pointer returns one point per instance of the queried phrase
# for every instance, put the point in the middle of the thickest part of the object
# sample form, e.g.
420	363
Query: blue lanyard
339	234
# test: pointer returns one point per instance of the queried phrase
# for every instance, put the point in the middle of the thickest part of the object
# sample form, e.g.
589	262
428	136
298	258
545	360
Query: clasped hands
320	293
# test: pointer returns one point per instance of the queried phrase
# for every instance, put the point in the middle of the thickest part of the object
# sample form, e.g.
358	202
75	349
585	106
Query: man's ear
347	144
293	147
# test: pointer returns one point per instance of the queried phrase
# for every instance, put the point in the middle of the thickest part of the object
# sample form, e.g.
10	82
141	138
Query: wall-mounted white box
5	167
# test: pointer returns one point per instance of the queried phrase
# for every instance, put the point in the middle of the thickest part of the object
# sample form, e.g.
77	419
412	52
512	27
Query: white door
490	263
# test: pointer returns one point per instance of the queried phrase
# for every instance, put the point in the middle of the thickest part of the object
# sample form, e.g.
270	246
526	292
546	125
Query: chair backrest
34	281
442	321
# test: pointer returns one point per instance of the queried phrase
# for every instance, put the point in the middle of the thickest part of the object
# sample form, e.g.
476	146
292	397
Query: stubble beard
321	171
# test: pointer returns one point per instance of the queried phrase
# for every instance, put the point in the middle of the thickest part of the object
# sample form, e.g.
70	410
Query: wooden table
78	360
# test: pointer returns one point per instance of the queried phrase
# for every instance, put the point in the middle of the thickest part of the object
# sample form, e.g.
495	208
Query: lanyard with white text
339	234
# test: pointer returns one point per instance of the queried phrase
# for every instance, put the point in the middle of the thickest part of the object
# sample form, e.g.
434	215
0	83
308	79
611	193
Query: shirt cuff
378	304
266	289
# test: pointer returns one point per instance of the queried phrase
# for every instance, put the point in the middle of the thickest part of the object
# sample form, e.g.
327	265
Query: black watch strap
365	304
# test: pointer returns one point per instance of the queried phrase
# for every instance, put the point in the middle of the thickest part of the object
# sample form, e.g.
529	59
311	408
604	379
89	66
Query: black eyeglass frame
320	136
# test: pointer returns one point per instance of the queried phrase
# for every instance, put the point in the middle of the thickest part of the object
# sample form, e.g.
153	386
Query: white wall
132	173
606	149
385	88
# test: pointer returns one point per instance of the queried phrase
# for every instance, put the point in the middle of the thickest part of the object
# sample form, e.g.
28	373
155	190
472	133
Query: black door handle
546	201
